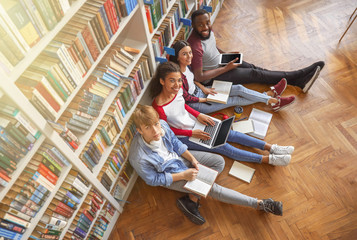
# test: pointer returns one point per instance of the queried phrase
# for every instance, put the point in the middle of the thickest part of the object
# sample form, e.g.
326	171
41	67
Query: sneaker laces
268	205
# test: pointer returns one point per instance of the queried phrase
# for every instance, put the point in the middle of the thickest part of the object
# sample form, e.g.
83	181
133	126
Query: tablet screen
226	58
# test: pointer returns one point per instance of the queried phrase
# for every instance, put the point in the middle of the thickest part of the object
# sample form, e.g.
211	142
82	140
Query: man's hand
195	163
200	134
190	174
232	65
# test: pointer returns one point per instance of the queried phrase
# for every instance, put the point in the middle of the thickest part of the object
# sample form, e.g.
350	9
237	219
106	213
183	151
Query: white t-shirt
191	85
160	148
177	115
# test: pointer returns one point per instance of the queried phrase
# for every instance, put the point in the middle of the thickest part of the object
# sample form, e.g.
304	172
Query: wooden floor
319	187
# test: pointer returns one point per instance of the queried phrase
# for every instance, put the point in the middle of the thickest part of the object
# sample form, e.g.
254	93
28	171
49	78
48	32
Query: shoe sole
312	80
188	214
284	106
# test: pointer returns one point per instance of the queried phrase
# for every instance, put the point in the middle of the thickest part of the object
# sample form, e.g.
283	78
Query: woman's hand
204	119
209	91
190	174
197	133
202	100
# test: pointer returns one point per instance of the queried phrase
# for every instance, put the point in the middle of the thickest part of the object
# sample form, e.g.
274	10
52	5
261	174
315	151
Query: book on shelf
58	50
9	49
203	183
13	112
11	226
46	12
261	121
16	16
242	171
223	89
75	50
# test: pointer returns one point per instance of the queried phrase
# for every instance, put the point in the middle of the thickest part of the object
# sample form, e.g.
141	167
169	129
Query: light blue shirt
150	166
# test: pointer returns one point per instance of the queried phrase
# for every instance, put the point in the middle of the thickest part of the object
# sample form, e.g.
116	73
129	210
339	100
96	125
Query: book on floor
242	172
223	89
261	121
203	183
244	126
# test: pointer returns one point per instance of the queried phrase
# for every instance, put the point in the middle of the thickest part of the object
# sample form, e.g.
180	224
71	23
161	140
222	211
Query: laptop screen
223	131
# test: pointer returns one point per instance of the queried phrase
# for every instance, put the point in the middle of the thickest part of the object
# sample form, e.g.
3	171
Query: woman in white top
195	94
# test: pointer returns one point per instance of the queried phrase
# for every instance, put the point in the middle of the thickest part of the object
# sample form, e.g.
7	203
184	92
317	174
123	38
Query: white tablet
225	58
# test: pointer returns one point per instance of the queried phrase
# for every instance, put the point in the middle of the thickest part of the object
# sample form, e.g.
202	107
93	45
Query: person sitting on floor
195	94
166	88
206	55
161	159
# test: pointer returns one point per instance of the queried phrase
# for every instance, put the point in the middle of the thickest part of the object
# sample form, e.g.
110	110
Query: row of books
90	208
23	23
124	176
31	190
62	207
129	92
119	58
169	28
95	148
54	75
154	10
17	137
114	163
103	220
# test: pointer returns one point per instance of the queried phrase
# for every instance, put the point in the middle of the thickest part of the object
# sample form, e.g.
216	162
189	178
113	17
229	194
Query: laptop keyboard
211	130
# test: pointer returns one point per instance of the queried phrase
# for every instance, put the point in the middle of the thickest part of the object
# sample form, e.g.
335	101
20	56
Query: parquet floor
319	187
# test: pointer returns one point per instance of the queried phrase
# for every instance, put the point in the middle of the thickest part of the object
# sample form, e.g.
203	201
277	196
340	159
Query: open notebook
261	121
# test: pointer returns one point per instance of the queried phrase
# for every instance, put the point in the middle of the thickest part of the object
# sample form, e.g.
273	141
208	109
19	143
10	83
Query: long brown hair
178	46
161	72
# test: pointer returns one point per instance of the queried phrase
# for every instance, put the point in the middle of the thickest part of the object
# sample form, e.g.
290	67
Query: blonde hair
145	115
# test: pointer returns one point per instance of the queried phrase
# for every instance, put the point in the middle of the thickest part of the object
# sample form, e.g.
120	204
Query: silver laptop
219	132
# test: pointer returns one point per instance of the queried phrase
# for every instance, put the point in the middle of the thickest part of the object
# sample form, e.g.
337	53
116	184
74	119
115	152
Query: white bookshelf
133	31
32	54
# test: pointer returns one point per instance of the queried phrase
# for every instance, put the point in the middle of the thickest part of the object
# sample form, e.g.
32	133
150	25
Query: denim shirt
150	166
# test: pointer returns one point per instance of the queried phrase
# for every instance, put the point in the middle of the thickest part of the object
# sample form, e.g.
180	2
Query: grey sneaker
279	160
271	206
190	209
281	150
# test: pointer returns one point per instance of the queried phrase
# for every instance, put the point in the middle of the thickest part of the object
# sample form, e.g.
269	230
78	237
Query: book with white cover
223	89
261	121
243	126
242	171
203	182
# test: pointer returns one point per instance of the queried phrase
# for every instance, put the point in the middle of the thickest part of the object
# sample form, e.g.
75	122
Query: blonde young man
160	159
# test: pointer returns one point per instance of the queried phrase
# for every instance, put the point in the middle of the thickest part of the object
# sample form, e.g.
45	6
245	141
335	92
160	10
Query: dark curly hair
197	13
161	72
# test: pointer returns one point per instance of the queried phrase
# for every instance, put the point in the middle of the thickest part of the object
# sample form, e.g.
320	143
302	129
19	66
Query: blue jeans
230	151
239	95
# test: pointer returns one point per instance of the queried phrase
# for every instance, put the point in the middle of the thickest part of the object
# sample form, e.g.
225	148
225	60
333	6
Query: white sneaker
281	150
279	160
